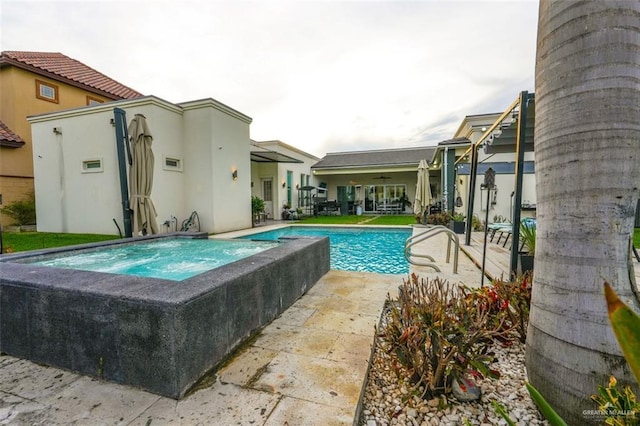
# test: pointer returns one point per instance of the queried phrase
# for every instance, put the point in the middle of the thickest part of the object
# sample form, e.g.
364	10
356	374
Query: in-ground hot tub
157	334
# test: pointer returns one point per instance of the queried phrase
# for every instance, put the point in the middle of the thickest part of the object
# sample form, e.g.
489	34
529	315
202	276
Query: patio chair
494	228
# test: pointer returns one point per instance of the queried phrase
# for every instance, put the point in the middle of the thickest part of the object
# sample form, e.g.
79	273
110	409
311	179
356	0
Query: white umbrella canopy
423	190
141	177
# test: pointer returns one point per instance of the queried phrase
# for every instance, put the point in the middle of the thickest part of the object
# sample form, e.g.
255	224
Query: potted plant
404	202
528	238
257	208
457	223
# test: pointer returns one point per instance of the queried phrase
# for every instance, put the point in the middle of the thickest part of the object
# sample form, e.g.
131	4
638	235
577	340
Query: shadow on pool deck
307	367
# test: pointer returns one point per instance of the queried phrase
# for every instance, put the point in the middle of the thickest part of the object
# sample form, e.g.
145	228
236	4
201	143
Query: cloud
319	75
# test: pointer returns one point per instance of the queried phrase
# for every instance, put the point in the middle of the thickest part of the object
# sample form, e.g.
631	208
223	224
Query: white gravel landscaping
390	400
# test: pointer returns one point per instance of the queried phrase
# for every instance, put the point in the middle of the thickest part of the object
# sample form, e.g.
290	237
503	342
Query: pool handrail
432	230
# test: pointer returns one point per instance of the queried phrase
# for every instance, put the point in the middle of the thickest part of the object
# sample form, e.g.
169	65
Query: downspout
122	142
64	225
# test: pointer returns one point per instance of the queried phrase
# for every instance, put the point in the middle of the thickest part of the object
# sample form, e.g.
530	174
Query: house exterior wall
362	179
278	173
218	143
18	100
501	205
69	199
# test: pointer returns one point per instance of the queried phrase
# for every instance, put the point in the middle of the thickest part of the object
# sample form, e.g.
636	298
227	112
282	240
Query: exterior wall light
284	183
234	175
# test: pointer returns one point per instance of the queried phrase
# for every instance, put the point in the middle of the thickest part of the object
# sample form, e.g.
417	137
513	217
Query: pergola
511	132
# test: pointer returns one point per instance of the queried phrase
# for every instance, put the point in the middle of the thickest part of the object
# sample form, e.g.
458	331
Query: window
92	165
46	91
171	163
94	101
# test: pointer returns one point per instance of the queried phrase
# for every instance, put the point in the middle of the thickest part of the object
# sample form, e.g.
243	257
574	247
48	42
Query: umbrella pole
121	142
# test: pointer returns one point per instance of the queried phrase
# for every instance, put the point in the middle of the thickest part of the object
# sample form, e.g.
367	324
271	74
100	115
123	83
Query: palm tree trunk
587	153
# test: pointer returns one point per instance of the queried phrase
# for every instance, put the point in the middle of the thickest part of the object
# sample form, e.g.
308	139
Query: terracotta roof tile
8	138
70	69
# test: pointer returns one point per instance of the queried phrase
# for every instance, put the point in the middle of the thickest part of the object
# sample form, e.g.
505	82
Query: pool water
174	259
378	250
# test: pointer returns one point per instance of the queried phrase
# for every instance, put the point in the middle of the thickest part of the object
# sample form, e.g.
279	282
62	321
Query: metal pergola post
517	200
472	193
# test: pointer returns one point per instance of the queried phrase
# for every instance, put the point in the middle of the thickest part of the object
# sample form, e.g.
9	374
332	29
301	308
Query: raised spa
158	334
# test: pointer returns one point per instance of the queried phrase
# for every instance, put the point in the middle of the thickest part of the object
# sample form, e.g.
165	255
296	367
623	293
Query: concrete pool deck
306	367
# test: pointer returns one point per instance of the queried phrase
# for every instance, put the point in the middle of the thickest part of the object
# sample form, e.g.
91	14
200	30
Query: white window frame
169	167
87	165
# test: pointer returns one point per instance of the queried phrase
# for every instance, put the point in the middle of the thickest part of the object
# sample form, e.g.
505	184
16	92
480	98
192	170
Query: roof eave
53	76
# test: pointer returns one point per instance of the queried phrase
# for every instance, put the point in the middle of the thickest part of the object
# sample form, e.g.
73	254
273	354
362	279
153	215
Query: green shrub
476	223
439	331
439	219
23	212
257	205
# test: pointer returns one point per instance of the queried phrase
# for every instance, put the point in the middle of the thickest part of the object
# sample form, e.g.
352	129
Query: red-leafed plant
439	331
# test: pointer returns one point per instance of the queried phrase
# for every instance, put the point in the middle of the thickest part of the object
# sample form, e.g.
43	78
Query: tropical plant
620	404
585	114
509	303
23	212
257	204
528	236
439	331
458	217
404	200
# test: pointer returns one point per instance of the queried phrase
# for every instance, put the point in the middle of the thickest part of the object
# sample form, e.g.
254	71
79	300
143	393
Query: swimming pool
173	259
360	249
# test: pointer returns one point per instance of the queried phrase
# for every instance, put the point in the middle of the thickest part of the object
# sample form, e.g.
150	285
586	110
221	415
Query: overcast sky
324	76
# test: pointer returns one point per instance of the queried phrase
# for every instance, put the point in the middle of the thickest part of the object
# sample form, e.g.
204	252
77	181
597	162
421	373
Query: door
267	196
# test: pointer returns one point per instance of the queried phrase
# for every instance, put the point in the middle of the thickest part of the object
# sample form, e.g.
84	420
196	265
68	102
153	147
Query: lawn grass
393	220
23	241
636	237
334	220
359	220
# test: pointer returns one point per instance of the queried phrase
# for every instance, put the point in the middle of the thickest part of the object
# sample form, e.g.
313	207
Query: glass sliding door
383	199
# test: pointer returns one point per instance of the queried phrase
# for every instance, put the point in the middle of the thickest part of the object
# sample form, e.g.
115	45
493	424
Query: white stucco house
378	181
205	162
279	171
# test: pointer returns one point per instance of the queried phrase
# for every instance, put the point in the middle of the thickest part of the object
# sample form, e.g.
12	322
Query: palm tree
587	145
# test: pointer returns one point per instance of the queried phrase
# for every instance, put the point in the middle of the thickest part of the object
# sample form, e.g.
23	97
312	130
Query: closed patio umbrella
423	191
141	177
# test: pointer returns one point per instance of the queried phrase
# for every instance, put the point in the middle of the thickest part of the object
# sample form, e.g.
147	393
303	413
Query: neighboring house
278	172
35	83
202	156
452	161
379	181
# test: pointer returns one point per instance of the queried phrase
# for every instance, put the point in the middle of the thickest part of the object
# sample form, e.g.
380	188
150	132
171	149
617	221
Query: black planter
457	227
525	262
